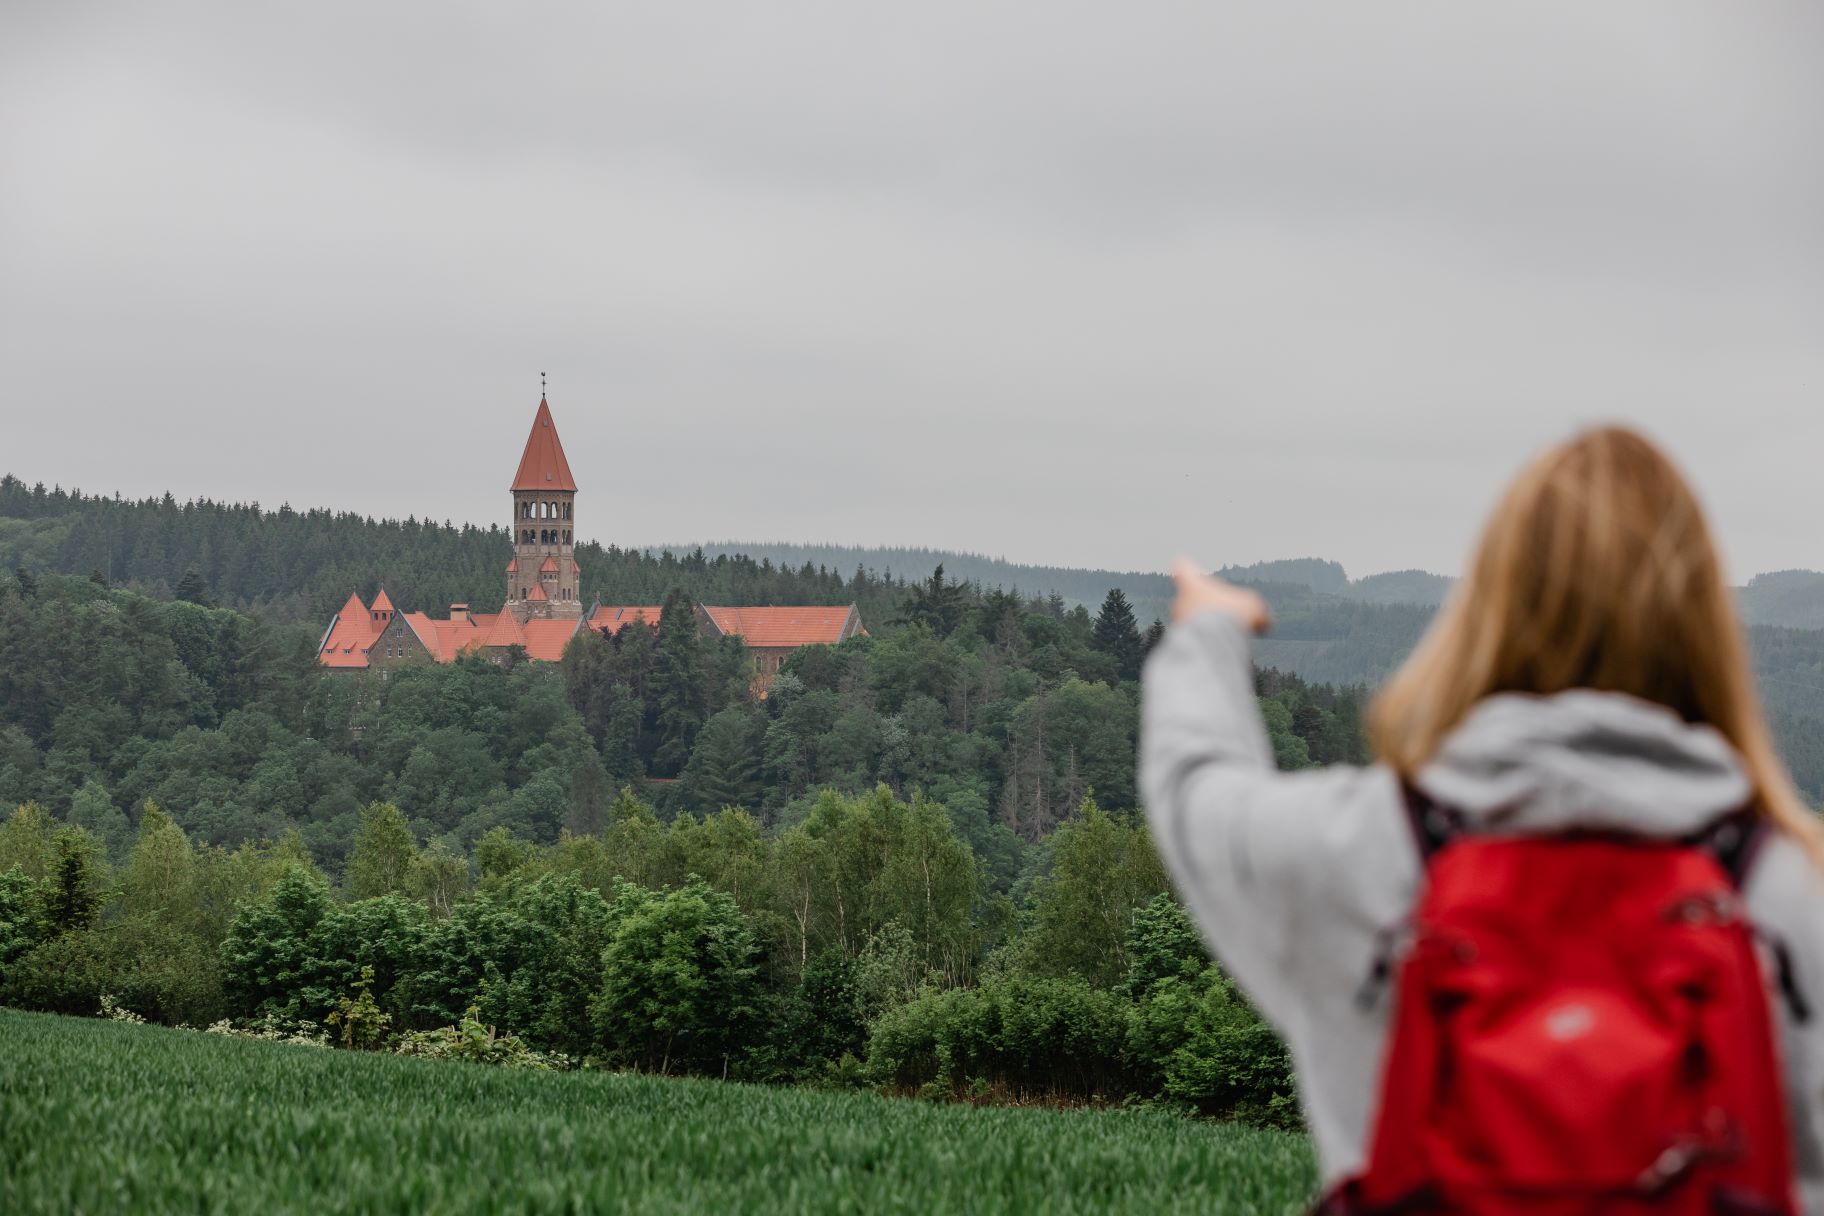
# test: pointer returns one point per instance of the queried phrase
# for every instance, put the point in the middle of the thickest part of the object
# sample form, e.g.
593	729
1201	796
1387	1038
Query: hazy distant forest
917	864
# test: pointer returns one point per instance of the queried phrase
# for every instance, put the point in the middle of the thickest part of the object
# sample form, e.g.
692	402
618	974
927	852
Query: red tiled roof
615	617
452	638
348	656
346	642
546	639
513	564
542	466
382	604
796	625
536	592
505	631
426	629
550	566
353	610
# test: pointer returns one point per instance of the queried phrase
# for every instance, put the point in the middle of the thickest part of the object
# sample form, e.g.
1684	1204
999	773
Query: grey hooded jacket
1292	876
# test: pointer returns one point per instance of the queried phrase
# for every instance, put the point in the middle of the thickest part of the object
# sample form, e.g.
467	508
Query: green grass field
99	1116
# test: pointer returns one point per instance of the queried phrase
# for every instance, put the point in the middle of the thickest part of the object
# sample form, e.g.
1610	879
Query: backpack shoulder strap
1735	840
1433	824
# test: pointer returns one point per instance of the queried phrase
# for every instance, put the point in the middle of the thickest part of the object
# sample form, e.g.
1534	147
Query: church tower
542	578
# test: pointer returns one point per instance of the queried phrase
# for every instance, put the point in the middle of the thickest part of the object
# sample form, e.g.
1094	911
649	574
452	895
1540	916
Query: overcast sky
1066	283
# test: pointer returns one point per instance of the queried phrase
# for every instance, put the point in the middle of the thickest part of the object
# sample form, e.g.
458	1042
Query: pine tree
74	898
191	589
677	685
724	768
1117	636
936	603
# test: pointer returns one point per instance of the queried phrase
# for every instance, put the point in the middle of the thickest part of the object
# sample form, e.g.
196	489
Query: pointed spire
542	466
382	603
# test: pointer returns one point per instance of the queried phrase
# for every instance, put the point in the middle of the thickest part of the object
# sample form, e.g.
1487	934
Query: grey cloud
1073	283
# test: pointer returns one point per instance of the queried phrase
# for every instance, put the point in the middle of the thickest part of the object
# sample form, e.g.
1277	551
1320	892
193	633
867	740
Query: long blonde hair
1596	570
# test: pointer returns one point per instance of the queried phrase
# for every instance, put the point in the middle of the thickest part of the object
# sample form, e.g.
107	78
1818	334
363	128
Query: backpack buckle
1718	1141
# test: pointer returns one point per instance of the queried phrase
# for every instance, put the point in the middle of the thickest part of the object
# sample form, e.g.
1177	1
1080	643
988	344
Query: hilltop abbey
544	605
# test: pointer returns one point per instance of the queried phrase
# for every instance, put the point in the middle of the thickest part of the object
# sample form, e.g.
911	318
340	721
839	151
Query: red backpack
1581	1025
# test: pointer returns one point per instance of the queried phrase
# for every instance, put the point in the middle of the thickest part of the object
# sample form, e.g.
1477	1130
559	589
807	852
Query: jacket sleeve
1785	895
1275	867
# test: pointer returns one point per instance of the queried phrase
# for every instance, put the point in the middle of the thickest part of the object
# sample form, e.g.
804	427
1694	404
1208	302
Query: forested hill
299	566
1148	592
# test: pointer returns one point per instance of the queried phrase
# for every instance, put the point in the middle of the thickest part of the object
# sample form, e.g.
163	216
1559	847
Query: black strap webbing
1433	825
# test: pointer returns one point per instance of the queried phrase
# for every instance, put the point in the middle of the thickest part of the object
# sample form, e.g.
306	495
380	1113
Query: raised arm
1269	863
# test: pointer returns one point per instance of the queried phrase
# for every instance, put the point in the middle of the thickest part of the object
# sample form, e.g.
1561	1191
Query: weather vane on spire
541	384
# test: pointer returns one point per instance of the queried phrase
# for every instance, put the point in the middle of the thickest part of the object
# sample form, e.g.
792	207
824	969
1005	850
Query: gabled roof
425	629
769	628
536	592
504	631
349	636
613	618
542	466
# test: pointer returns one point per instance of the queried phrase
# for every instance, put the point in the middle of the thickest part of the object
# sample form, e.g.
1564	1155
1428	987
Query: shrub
680	983
273	1030
148	965
1050	1037
359	1017
817	1025
471	1040
23	923
1206	1046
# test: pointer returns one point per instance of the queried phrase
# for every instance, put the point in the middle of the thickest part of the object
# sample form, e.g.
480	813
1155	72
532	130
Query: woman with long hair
1586	690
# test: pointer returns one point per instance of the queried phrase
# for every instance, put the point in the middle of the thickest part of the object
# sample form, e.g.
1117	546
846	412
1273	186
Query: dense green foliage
171	1121
863	945
1004	711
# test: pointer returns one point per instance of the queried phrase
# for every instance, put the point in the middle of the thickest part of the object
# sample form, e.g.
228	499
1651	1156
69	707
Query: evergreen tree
936	603
191	588
1117	636
724	768
589	798
677	685
73	900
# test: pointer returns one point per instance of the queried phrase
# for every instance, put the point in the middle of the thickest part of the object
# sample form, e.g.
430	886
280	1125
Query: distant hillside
1150	593
1790	598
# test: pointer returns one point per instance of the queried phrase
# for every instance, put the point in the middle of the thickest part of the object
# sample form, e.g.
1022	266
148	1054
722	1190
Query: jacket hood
1601	761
